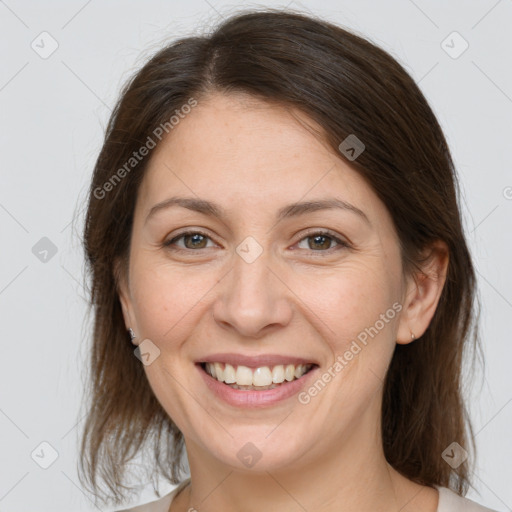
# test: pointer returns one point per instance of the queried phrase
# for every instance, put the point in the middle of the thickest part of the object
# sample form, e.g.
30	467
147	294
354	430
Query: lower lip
241	398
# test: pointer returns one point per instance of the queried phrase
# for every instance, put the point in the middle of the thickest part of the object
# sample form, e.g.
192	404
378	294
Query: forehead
241	151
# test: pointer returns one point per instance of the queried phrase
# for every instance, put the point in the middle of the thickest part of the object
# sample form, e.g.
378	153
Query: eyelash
341	243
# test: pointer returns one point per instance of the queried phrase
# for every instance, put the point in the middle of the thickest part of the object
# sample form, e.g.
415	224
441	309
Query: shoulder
160	505
450	501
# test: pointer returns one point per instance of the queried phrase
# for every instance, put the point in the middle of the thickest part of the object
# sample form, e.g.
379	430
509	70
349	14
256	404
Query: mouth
262	378
261	393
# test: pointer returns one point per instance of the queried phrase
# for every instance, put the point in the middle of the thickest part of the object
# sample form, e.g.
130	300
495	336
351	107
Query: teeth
218	372
278	374
229	374
243	376
260	377
289	373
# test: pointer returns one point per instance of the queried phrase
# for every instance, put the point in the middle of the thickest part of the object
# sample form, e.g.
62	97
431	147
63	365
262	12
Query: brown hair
349	86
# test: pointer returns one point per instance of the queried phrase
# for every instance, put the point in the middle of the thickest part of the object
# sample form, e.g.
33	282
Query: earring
132	334
412	336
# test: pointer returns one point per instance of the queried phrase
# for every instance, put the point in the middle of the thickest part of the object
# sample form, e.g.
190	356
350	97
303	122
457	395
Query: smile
238	394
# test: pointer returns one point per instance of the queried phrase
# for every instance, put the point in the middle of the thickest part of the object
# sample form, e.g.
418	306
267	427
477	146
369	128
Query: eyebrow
292	210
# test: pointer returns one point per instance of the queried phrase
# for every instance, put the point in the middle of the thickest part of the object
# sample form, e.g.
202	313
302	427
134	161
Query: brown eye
322	242
195	241
191	240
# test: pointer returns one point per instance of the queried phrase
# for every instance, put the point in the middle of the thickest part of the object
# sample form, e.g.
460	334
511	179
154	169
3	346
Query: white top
449	501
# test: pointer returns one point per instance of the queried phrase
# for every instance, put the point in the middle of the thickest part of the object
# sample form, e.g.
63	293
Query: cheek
351	297
358	311
167	300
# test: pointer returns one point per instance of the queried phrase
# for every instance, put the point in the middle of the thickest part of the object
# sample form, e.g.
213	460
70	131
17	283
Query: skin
299	297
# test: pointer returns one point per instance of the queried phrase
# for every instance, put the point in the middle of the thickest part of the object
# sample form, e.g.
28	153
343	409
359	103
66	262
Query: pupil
195	238
321	237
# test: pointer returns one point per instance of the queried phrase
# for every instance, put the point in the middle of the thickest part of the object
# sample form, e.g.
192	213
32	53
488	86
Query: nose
252	300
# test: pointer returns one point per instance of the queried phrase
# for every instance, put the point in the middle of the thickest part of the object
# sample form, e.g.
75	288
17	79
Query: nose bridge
251	298
251	272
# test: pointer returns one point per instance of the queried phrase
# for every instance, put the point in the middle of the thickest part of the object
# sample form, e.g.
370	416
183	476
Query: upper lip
255	361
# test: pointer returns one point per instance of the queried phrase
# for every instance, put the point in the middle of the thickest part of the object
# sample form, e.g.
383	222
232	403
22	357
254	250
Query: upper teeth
262	376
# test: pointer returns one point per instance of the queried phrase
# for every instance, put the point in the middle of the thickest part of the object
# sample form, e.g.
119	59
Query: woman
273	218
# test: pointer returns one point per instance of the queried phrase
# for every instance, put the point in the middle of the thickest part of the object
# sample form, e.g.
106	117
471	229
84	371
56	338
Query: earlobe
424	294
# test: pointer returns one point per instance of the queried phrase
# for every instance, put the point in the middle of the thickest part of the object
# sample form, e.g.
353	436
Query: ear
423	293
123	290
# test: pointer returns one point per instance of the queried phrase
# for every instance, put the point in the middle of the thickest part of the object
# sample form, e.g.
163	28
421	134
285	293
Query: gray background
53	114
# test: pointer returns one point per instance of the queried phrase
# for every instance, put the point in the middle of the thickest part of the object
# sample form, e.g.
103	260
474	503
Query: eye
322	241
192	240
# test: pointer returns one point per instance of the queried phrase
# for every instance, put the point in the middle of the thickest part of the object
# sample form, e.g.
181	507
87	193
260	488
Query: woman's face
262	280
